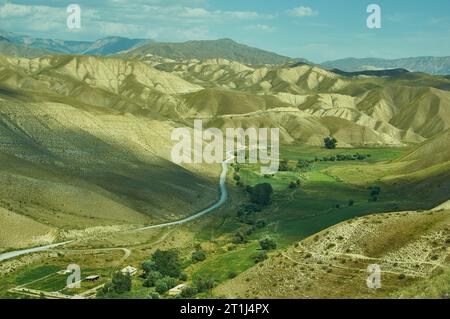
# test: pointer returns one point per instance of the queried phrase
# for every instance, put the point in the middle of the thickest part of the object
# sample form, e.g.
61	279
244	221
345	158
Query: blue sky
317	30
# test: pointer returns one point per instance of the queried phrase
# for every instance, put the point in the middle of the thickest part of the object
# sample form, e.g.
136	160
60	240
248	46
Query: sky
318	30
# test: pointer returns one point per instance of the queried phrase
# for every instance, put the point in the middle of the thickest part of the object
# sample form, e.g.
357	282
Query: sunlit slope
357	111
19	231
101	82
392	110
407	246
70	168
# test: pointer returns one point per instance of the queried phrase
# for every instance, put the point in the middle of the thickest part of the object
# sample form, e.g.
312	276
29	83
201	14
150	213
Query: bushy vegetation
268	243
260	256
163	270
204	284
198	255
119	284
261	194
345	157
330	143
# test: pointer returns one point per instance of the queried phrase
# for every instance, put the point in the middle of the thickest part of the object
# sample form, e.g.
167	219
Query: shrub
261	194
330	143
268	244
260	257
198	256
232	274
188	292
164	284
238	239
204	284
153	295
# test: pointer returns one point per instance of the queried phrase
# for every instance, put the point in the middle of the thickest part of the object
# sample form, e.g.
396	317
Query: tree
164	284
121	282
148	266
330	143
198	255
153	295
260	257
268	243
204	283
151	278
261	194
188	292
168	262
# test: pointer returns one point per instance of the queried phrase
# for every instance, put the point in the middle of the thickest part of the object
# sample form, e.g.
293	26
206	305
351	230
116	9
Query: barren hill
408	247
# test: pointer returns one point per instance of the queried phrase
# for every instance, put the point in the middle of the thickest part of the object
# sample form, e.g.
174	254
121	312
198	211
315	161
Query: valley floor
322	198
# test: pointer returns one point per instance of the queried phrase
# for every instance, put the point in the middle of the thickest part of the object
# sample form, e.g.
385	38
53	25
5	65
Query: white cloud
165	20
303	12
261	28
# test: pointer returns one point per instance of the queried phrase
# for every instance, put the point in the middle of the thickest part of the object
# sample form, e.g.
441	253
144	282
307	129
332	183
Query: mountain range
426	64
141	49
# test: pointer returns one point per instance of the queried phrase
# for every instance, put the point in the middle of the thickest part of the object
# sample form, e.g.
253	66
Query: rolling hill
97	130
409	247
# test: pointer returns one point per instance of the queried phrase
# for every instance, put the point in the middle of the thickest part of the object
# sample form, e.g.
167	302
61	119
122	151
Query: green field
299	213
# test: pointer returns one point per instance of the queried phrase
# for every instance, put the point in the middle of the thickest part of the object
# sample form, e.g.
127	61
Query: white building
129	270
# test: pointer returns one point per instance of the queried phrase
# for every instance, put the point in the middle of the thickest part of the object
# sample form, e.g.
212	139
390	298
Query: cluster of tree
261	194
345	157
119	284
266	245
304	165
199	285
330	143
247	213
163	270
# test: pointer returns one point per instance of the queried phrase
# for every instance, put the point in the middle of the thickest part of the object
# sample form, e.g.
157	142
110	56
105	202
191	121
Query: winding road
223	198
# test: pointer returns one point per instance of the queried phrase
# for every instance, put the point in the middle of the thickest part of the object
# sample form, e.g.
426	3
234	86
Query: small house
177	290
129	270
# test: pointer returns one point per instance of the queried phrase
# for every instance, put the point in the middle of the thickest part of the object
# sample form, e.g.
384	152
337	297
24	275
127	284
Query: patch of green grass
307	152
221	266
29	275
